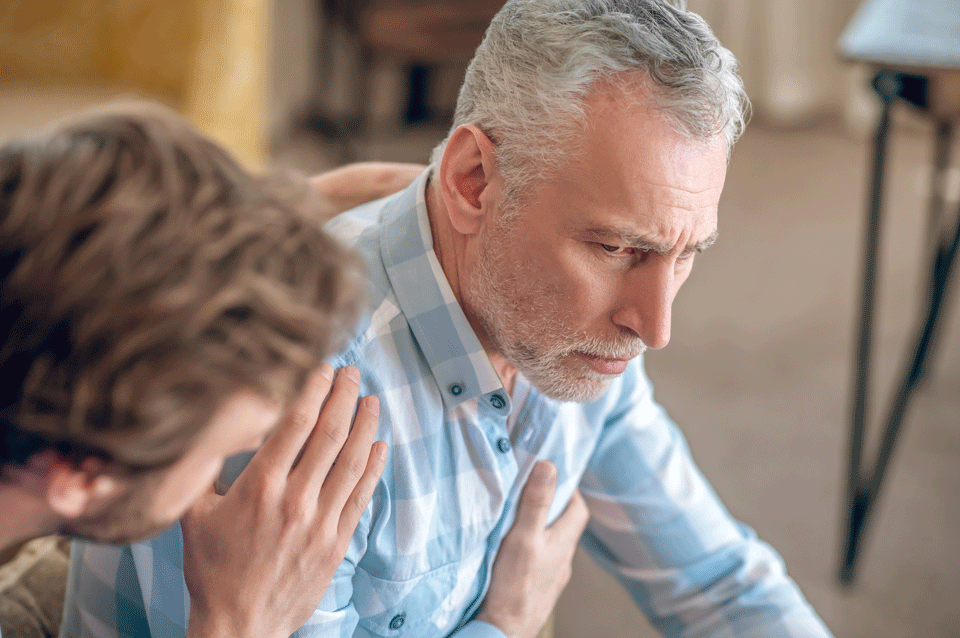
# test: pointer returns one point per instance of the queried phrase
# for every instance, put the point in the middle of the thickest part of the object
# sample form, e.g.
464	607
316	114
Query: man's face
581	279
156	500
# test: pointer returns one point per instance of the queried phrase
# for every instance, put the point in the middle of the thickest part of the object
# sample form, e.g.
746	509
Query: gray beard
515	325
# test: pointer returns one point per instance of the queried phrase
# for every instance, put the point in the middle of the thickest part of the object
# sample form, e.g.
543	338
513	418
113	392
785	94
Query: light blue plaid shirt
460	451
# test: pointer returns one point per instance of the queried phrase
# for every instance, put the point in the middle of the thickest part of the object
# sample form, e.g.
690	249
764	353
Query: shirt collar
451	348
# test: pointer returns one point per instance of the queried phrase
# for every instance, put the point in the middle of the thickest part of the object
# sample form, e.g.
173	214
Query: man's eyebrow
701	246
635	241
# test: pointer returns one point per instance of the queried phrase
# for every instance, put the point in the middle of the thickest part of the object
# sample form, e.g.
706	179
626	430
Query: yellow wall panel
54	39
226	94
206	57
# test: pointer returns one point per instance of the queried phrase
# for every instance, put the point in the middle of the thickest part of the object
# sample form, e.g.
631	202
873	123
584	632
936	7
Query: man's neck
26	516
453	251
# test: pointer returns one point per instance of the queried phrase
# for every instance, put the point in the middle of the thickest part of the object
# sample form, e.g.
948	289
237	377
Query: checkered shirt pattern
461	449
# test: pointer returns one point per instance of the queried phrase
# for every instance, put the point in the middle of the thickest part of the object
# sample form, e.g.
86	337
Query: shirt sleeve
659	528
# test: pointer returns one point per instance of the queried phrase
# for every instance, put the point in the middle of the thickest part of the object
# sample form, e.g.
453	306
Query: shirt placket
493	410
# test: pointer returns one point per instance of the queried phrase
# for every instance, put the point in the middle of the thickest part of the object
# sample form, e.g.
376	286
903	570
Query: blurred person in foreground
163	309
514	289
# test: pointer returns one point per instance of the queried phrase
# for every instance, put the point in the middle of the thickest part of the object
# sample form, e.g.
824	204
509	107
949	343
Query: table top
905	33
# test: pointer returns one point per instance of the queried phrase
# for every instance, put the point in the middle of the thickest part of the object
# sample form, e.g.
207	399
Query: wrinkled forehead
629	167
634	141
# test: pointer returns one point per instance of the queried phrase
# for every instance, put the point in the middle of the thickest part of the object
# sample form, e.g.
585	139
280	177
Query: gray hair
529	81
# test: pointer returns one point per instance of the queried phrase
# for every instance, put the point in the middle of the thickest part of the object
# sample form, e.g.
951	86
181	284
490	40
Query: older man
514	288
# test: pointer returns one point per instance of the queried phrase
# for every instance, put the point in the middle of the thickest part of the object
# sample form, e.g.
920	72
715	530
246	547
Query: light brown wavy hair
146	278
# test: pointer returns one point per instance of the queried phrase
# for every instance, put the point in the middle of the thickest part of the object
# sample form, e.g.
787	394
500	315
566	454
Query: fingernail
372	404
352	373
542	473
382	451
326	371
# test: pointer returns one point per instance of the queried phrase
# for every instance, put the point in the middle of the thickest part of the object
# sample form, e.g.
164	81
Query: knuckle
299	419
297	508
354	467
264	504
261	489
328	556
359	502
332	548
536	504
270	480
322	534
334	430
528	544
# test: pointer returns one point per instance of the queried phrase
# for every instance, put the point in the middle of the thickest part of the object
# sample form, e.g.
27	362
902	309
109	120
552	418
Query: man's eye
616	250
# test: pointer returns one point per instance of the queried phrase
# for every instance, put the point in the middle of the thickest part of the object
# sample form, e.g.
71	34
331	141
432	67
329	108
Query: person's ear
72	489
468	178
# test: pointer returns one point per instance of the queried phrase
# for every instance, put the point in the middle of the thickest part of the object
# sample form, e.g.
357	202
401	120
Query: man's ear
467	172
71	489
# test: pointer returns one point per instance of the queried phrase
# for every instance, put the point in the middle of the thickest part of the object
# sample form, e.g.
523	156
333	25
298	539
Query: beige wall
788	59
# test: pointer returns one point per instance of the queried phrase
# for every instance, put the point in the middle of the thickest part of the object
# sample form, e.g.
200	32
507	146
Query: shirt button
503	445
497	401
456	390
397	621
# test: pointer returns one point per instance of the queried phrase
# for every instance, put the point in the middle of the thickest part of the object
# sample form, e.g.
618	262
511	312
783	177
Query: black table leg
854	506
863	490
938	179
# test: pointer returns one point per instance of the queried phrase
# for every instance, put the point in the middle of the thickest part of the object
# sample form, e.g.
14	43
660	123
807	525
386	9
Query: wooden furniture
915	52
427	33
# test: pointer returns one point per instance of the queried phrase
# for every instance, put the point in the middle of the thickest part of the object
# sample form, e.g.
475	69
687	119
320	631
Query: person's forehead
633	174
631	137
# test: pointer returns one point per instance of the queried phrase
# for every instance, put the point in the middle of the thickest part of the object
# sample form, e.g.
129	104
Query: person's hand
534	562
258	560
354	184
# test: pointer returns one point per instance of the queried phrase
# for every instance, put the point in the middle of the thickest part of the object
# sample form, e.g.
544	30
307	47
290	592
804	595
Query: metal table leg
863	488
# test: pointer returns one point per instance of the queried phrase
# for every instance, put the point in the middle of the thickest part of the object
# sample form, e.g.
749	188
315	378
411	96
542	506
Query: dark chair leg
357	144
417	109
319	120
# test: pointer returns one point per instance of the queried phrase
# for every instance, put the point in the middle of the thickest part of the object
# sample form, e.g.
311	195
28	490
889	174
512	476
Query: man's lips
604	366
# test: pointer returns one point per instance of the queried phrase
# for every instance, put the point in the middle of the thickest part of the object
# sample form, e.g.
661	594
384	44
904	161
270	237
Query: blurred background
759	371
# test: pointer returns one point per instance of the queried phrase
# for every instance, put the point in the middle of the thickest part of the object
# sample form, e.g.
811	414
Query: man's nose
646	302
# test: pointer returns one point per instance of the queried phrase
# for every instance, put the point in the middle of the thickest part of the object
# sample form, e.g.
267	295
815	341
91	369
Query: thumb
571	523
537	496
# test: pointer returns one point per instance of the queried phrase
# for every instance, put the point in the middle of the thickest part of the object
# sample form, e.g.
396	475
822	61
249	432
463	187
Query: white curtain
788	56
